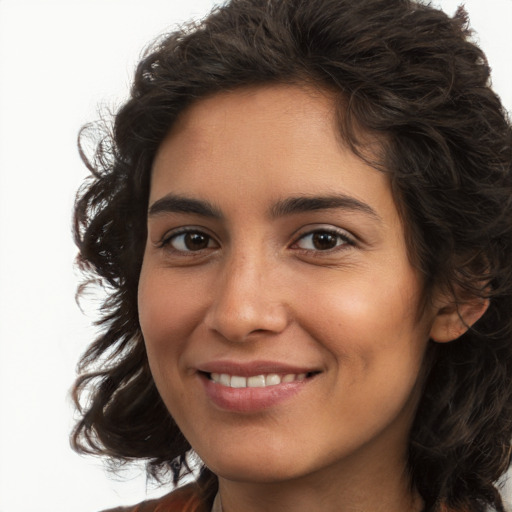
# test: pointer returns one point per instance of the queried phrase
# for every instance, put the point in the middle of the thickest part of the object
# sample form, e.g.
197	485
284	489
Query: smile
255	381
254	387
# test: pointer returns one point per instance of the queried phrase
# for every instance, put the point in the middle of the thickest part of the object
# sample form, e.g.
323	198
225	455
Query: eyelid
346	236
349	239
166	239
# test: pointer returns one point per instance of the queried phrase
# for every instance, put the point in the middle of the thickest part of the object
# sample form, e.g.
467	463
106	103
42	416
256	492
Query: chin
259	473
255	465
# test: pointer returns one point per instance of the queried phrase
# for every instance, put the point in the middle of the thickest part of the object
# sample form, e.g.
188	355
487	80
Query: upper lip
247	369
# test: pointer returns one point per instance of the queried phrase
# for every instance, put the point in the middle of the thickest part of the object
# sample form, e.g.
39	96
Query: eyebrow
301	204
178	204
292	205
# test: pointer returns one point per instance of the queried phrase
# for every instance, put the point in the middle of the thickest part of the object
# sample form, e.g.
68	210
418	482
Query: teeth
238	382
272	379
256	381
225	379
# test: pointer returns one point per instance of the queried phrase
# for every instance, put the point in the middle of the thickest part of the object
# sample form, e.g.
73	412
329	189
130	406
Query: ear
454	318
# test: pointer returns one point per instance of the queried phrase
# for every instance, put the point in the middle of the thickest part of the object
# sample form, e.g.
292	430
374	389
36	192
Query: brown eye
196	241
191	241
323	240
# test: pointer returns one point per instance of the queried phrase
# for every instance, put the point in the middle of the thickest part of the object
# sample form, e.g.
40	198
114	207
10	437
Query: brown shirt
184	499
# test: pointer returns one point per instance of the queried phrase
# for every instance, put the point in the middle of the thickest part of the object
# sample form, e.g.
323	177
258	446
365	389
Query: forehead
249	119
283	136
272	102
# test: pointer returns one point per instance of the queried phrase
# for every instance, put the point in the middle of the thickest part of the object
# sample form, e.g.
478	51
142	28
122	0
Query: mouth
255	391
257	381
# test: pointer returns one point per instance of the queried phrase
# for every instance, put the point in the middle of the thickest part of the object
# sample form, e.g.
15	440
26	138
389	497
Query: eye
323	240
189	241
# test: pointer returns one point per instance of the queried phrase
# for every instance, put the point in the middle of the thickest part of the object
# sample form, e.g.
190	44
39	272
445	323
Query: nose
247	301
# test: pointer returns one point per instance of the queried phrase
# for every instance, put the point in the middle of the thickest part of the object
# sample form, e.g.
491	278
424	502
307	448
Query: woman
303	219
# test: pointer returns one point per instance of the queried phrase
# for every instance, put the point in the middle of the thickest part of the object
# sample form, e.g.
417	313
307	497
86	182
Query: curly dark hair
398	68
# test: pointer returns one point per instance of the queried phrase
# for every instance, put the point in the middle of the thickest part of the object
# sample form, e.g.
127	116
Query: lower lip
250	399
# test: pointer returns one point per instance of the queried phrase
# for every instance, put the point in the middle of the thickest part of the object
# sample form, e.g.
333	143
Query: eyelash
343	239
167	240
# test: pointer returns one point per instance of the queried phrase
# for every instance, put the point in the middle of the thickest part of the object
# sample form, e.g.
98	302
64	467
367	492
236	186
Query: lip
253	368
252	400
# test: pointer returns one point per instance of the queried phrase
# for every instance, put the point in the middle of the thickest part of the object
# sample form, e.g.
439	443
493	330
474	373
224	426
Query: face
277	301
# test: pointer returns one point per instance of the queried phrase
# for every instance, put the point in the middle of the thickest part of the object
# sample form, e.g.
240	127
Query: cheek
375	342
368	319
168	314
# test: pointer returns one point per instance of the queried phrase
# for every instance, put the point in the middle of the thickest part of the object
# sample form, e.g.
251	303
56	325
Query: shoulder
184	499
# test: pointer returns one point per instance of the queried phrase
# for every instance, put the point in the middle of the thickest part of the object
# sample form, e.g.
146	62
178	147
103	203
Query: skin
260	286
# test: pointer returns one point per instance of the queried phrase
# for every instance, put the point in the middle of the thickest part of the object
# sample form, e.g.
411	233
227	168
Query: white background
59	61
